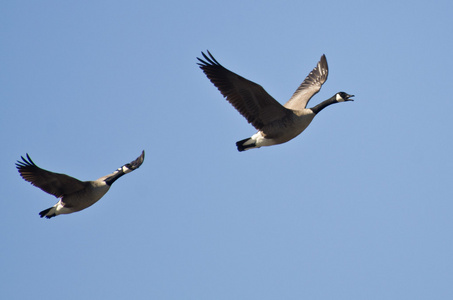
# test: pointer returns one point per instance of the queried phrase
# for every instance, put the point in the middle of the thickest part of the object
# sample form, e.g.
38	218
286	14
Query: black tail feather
44	212
242	147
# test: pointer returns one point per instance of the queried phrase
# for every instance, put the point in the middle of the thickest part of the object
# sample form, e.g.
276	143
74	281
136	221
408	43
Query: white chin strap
125	169
339	98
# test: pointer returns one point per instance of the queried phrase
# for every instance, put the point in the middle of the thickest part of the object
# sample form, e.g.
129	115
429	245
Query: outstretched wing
311	85
53	183
249	98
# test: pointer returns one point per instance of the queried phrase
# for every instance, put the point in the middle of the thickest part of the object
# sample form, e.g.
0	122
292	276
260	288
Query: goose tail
246	144
48	213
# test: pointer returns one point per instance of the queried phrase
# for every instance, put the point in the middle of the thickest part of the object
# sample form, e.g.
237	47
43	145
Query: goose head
342	97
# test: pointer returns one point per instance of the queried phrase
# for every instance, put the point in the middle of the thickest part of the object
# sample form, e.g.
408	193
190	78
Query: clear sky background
357	207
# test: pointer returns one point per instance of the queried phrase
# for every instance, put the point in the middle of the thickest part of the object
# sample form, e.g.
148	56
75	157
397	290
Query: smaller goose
276	123
74	194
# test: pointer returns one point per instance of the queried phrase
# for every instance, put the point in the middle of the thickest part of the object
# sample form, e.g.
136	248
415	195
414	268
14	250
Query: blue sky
357	207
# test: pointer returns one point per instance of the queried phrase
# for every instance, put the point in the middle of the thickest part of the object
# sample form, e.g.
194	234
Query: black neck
316	109
113	178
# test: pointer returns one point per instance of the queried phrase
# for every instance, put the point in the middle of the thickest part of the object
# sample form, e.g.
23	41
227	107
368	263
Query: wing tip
208	60
26	162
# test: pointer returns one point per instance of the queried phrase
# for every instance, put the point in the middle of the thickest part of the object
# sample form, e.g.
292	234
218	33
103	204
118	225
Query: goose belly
279	133
78	201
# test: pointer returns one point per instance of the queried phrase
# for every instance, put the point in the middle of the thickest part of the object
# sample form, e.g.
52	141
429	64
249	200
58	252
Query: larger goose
276	123
74	194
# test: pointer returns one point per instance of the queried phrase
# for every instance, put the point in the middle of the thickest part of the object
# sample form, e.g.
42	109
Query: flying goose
276	123
74	194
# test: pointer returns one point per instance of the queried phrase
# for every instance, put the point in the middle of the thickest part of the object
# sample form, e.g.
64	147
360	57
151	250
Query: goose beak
350	96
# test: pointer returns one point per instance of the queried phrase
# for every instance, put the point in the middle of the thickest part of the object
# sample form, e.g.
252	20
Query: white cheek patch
339	98
125	169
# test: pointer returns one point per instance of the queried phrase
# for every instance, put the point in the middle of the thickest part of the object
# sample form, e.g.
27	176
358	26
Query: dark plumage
276	123
74	194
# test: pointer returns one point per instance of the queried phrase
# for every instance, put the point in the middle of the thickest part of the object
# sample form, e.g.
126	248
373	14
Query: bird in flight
276	123
74	194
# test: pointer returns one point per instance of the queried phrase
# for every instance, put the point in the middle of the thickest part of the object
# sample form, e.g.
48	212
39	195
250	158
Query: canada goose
74	194
276	123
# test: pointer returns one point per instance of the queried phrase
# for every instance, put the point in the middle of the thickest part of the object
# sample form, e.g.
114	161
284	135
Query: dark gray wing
53	183
249	98
311	85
